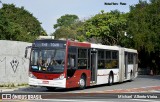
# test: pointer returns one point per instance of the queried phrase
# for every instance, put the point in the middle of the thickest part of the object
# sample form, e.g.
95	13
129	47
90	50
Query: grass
12	85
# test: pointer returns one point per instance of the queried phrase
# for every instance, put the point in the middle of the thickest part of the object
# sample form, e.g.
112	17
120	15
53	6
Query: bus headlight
61	76
31	75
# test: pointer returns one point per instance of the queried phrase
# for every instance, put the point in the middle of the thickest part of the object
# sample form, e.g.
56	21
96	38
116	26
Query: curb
7	89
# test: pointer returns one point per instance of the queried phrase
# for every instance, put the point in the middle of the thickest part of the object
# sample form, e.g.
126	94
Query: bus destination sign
51	44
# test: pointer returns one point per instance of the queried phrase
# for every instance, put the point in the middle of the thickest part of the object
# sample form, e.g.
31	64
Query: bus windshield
47	60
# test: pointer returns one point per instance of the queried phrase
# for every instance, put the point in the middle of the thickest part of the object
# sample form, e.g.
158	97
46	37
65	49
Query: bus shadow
89	87
43	89
157	77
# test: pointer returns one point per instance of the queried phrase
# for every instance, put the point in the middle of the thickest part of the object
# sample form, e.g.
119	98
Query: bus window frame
46	48
87	57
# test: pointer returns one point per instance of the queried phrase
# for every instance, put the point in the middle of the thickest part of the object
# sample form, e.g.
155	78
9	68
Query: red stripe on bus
79	44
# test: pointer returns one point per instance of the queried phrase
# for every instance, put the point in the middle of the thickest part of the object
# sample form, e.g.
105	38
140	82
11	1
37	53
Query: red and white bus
69	64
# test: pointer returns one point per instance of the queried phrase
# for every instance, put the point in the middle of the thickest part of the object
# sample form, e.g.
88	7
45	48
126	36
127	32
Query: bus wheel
110	80
82	82
51	88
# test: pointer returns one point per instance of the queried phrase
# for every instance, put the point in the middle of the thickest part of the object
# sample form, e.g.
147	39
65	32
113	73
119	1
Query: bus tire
51	88
82	82
110	80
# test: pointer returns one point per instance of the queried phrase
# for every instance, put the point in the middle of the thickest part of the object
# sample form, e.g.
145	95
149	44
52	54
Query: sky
48	11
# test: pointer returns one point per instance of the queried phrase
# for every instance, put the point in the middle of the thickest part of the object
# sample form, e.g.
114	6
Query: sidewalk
9	89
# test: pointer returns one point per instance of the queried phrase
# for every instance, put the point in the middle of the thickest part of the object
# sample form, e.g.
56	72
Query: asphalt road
140	82
142	89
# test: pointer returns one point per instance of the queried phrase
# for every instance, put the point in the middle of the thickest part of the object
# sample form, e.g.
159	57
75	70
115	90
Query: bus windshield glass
48	60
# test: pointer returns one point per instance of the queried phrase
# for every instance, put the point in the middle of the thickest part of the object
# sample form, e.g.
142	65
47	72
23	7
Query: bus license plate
45	82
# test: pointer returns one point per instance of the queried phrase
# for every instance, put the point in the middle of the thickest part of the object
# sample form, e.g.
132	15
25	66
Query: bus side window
71	61
101	59
82	58
111	59
72	57
115	57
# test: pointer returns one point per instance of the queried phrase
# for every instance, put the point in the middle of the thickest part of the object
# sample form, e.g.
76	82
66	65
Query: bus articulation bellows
69	64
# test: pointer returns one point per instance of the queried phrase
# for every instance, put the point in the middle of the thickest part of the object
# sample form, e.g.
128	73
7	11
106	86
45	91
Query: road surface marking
140	100
71	100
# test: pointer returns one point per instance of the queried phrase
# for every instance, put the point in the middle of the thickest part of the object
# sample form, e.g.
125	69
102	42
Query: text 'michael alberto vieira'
138	96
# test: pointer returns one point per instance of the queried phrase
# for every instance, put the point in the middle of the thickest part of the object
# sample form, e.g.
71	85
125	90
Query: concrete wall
13	65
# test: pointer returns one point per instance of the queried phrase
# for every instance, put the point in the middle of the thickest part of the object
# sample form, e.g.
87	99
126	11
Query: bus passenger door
93	66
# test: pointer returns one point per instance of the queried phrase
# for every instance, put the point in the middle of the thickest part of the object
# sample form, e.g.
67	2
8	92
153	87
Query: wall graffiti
4	60
13	69
23	62
14	64
1	60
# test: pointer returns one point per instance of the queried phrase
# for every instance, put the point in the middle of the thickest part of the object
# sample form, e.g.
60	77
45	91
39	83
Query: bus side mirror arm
26	51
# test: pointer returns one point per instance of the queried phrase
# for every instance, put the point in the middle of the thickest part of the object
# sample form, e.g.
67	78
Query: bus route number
54	44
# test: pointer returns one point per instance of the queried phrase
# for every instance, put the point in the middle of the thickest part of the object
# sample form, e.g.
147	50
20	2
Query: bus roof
99	46
49	40
85	44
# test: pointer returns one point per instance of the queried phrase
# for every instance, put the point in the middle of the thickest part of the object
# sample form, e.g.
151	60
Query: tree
74	31
65	32
68	26
18	24
143	26
66	20
108	27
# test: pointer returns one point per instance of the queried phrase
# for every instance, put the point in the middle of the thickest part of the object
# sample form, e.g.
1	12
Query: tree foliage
108	27
18	24
143	25
65	32
69	27
138	29
66	20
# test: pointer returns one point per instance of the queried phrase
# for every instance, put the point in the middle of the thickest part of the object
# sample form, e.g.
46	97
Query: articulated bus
71	64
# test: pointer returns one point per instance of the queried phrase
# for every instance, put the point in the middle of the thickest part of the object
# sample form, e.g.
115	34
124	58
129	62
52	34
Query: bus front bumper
61	83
